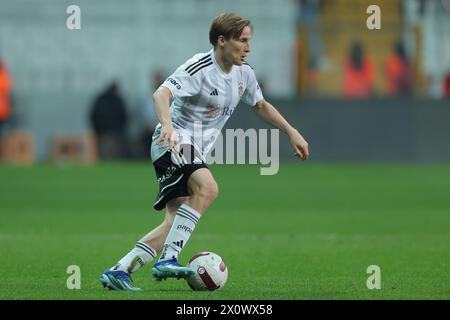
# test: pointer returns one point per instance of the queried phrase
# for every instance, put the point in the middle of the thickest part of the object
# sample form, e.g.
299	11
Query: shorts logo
168	174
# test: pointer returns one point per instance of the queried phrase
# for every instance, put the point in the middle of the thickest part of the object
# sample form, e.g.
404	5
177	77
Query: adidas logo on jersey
214	93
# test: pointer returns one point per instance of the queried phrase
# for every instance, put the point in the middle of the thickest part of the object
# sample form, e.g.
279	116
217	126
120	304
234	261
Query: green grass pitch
309	232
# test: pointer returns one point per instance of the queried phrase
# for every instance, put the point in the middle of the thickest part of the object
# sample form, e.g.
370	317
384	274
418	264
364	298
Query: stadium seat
18	148
74	148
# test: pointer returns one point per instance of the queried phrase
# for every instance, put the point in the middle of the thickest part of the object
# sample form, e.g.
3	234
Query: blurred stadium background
300	53
365	105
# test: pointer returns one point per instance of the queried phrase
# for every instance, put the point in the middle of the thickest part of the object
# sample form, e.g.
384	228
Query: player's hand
169	138
299	145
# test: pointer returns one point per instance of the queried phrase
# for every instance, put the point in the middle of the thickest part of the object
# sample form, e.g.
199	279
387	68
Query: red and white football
210	272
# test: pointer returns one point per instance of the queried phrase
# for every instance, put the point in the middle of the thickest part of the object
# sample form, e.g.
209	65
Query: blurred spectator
358	74
5	95
446	86
149	115
308	14
109	122
398	73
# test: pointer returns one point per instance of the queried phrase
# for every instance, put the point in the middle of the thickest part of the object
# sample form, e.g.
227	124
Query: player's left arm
269	114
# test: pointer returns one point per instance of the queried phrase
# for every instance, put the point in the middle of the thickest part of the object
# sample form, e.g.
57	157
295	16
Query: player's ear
221	41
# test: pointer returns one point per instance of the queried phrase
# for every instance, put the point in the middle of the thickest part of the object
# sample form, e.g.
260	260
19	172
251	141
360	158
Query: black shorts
173	172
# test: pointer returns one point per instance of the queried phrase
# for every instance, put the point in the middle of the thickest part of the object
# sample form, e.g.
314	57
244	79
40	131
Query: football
210	272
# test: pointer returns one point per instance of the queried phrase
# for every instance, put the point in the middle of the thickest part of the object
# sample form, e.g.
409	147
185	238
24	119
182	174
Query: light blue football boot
170	268
117	280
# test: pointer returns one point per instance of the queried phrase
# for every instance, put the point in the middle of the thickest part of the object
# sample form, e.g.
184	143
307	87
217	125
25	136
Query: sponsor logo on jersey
213	111
227	111
174	82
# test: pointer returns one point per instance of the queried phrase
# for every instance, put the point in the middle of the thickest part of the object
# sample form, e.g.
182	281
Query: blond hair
228	25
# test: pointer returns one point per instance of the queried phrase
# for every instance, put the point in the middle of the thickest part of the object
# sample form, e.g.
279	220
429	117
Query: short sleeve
253	93
182	84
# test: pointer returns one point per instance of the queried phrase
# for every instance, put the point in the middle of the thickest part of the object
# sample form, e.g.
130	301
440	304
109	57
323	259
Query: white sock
138	257
183	225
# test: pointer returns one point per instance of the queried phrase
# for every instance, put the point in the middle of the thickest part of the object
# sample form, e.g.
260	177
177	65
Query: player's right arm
168	135
180	84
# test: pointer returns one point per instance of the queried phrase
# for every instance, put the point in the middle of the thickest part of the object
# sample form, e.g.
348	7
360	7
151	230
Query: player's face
236	50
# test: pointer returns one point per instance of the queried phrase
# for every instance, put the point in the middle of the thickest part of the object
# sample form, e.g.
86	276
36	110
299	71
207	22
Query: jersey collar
219	69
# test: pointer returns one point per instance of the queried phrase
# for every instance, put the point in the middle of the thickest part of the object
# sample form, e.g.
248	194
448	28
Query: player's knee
209	191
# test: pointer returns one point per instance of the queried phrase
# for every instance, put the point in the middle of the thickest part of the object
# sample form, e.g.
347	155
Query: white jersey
204	97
